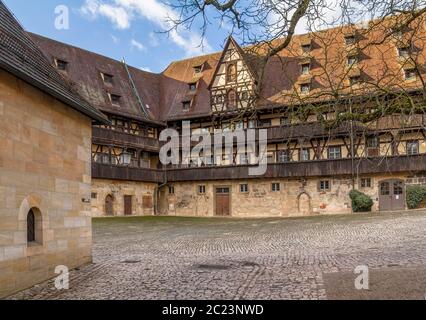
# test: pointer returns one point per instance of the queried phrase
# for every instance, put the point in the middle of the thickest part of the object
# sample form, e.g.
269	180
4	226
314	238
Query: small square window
324	185
115	99
284	156
171	190
61	64
108	78
305	155
244	188
365	183
410	74
305	88
412	148
192	86
334	152
202	189
285	121
306	68
276	187
186	105
94	195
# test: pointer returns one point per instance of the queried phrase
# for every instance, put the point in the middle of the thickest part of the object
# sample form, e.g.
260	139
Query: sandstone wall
44	164
142	194
296	197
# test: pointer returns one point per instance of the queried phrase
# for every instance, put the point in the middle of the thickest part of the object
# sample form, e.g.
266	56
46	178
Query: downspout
157	190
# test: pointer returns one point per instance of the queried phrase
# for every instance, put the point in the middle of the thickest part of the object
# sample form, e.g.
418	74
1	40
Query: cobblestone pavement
188	258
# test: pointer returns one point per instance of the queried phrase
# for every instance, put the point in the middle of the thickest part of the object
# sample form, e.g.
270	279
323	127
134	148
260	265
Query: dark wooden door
391	195
128	205
223	198
109	205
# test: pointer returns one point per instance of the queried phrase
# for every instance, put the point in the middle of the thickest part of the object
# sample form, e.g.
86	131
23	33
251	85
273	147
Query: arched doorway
391	195
304	204
109	205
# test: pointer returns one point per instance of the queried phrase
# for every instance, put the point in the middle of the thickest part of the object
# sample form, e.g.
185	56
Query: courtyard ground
300	258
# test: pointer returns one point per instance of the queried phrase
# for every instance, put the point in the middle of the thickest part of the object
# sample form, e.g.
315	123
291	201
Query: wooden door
391	195
109	205
128	205
223	198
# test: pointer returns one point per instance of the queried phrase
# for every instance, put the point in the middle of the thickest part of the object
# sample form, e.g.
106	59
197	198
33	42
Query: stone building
45	181
311	167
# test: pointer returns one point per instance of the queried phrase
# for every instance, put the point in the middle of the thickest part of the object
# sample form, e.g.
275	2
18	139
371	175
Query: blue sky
118	28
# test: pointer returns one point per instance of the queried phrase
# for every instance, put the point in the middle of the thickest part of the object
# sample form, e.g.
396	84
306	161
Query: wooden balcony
123	173
321	168
119	138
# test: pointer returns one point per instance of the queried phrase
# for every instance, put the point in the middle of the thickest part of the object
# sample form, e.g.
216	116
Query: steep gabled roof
21	57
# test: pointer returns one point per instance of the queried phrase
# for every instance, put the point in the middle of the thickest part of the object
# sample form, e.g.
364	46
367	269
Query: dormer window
354	80
231	73
61	65
410	74
352	60
306	68
186	105
198	69
192	86
404	52
306	48
115	99
305	88
350	40
107	78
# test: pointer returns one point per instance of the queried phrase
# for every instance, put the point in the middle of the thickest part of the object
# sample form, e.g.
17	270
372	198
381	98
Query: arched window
109	205
232	99
231	73
31	228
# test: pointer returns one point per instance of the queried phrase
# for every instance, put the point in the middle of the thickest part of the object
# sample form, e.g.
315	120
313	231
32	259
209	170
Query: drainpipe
157	192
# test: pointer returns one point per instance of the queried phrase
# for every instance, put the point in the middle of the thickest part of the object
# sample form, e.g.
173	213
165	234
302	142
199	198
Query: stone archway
304	204
109	205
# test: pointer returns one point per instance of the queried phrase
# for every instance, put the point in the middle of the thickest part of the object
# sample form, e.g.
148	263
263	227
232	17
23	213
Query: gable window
365	183
335	152
231	73
306	68
349	40
115	99
276	187
324	185
305	87
244	96
202	189
61	64
186	105
404	52
231	99
412	148
352	60
108	78
410	74
192	86
244	188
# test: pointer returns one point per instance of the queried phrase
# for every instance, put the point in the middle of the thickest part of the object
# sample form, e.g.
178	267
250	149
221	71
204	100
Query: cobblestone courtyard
305	258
